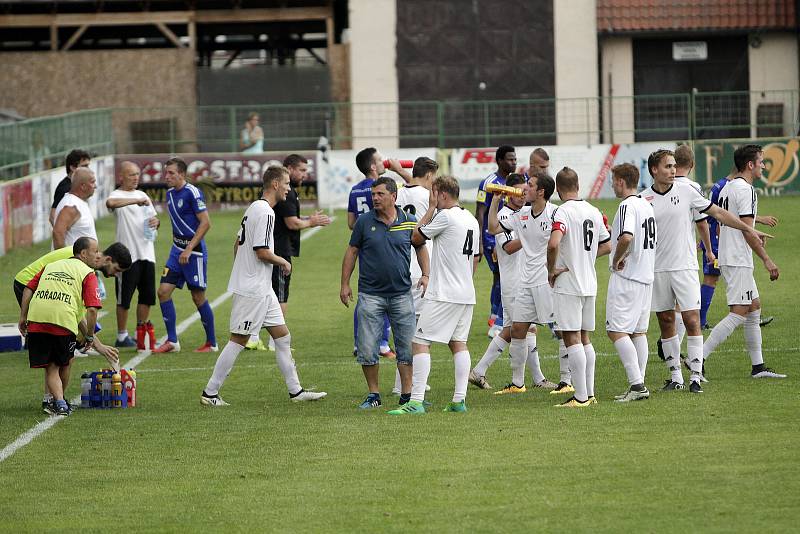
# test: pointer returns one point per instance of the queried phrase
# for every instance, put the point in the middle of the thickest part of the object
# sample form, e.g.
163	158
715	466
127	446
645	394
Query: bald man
73	218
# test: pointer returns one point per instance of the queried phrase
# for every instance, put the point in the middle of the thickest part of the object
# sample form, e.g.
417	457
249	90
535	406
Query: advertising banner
18	208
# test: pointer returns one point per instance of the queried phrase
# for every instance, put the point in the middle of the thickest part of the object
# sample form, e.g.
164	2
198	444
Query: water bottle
116	390
101	288
106	389
86	390
150	233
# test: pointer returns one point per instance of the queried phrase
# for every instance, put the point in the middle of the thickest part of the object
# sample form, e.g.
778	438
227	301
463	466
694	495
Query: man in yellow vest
51	314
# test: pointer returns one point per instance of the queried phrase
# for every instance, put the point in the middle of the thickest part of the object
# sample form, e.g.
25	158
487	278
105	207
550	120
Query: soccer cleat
212	400
478	381
49	407
633	395
141	333
304	395
373	400
62	411
511	388
695	387
207	347
562	387
457	407
701	377
389	354
255	345
412	407
545	384
766	372
572	402
766	320
167	346
592	399
669	385
127	342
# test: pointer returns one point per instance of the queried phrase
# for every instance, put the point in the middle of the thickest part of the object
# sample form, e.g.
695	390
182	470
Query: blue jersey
485	198
360	199
183	205
713	225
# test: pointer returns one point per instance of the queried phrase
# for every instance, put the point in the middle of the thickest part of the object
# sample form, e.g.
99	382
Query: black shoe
125	343
669	385
694	387
766	320
49	407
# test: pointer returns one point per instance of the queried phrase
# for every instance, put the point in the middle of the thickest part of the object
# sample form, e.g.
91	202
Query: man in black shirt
76	158
288	224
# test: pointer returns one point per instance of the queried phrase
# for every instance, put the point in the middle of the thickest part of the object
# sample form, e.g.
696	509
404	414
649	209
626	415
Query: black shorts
44	349
280	282
18	289
142	277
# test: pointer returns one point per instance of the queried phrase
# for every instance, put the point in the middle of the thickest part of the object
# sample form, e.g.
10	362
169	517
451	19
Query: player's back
583	229
454	232
360	199
739	198
413	199
251	276
635	216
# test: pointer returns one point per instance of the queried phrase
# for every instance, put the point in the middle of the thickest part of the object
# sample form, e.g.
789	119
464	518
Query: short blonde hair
447	184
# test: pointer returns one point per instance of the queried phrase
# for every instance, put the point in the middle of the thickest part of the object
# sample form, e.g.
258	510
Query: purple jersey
183	206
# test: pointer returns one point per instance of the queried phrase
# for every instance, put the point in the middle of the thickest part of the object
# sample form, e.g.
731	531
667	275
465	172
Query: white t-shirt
510	264
738	197
84	226
455	236
250	276
635	216
131	220
413	199
674	209
583	229
533	230
696	215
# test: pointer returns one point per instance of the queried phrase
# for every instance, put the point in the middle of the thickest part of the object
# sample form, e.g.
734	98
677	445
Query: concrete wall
373	73
575	45
774	67
616	79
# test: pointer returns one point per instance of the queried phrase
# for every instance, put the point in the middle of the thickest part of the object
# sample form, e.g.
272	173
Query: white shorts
416	294
627	305
443	322
670	287
741	286
249	315
508	309
574	313
534	305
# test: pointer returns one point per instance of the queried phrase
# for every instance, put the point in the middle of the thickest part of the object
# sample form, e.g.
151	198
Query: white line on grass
40	428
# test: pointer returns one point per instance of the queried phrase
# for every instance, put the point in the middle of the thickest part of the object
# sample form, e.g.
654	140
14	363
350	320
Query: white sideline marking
41	427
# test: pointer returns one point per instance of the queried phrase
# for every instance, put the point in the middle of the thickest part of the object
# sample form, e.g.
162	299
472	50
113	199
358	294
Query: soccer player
578	237
75	159
188	257
255	304
674	205
630	287
538	162
450	296
736	261
506	159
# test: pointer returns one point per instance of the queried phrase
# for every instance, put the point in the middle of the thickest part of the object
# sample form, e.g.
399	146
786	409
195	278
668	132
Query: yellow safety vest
58	299
27	274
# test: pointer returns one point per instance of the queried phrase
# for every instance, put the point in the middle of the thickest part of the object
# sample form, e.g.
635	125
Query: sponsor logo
59	296
180	202
675	200
479	155
60	276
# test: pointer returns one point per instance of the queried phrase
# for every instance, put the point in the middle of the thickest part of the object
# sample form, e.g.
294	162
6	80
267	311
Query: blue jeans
371	310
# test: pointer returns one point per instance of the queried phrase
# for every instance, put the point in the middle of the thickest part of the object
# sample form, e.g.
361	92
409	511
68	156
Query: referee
288	224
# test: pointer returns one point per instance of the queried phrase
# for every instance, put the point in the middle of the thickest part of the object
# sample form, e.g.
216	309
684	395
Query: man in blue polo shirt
381	240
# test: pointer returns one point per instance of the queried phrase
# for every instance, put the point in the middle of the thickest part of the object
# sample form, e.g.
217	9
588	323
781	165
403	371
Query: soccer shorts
280	282
670	287
443	322
508	308
142	277
740	285
249	315
534	305
627	305
416	294
193	274
573	313
44	349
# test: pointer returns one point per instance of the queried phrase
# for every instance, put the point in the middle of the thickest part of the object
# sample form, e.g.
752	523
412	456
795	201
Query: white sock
533	363
461	362
752	337
642	353
519	353
283	354
223	367
577	366
672	358
496	347
720	333
694	355
271	344
422	368
254	338
629	358
680	328
398	384
121	336
590	359
563	363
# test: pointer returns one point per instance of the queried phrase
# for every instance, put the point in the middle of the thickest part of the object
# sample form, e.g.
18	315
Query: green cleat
412	407
456	407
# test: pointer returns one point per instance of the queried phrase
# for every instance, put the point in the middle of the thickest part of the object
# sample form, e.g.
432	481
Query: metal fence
444	124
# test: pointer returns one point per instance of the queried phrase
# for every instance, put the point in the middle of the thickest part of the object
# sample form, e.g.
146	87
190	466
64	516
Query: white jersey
455	236
510	264
413	199
635	216
583	229
131	220
696	215
250	276
738	197
533	230
674	209
84	226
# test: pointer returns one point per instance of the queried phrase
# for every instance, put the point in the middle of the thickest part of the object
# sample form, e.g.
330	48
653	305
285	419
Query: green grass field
726	460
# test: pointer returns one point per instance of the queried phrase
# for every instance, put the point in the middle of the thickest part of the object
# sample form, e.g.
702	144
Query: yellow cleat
562	387
592	400
510	388
575	403
255	345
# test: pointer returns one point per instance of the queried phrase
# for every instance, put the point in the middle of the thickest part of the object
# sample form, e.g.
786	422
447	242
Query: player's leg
752	340
663	303
495	296
621	319
623	343
706	296
171	278
569	319
146	289
196	271
739	294
587	326
371	311
461	365
495	348
123	307
400	312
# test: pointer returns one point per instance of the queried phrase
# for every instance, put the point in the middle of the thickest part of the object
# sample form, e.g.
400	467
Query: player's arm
394	165
767	220
348	265
424	262
623	246
114	203
513	246
755	243
417	237
705	238
318	218
267	256
68	216
351	219
493	222
729	219
480	209
27	295
553	248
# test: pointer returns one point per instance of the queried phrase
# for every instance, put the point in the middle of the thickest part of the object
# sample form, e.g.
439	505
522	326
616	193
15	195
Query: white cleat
305	395
212	400
633	395
767	373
